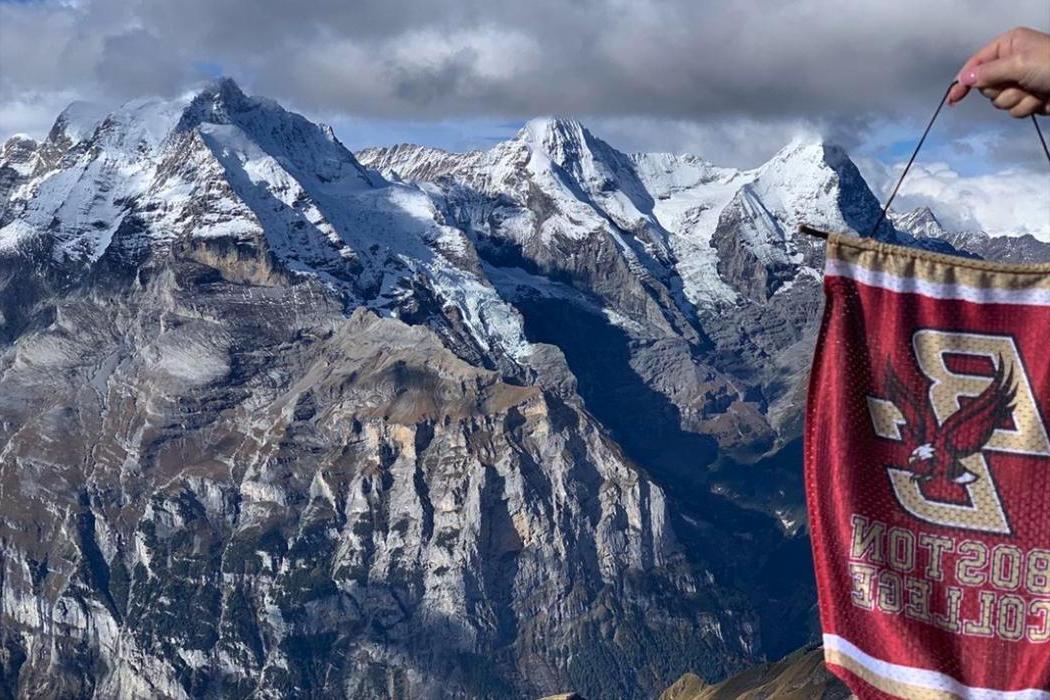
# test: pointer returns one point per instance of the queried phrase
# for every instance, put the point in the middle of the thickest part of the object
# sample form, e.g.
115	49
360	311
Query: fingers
1010	98
989	52
957	92
996	73
990	92
1029	105
1017	100
996	49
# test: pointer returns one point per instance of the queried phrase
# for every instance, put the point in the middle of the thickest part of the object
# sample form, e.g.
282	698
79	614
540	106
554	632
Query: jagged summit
96	165
810	144
216	102
924	213
143	125
555	134
568	143
565	152
78	120
20	137
222	101
324	420
222	88
258	192
920	221
818	183
808	157
17	147
275	424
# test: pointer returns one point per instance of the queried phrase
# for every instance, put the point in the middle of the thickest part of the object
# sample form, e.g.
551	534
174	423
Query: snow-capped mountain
279	420
699	266
671	204
242	181
922	222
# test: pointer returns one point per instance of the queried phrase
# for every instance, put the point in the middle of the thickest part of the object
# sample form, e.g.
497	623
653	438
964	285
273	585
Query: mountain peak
551	125
924	213
589	162
820	184
18	153
20	141
556	136
223	91
813	150
77	121
921	222
804	162
215	102
221	85
569	144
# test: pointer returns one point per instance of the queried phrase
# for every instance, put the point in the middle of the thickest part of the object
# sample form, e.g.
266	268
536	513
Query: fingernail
968	78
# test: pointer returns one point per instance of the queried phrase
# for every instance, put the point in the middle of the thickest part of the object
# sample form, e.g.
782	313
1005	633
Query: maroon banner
928	474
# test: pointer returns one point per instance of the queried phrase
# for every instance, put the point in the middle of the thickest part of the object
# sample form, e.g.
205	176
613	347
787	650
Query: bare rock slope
279	420
799	676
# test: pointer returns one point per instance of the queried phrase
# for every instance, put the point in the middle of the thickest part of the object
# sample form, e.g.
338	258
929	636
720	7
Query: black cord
900	180
1041	139
886	209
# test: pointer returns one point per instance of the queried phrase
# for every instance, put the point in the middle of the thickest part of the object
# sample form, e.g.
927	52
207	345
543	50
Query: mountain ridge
280	418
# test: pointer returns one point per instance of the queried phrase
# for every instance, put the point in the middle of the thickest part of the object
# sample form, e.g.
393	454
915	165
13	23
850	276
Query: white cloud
496	53
731	80
740	142
32	113
1010	202
674	59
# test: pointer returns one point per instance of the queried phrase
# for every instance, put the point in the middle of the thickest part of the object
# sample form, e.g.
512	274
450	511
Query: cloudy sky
732	80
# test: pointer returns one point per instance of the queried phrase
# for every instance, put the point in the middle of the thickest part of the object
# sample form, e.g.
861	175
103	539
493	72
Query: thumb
1001	71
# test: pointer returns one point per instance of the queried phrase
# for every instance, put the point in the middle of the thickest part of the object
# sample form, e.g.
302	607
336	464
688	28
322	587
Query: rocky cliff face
698	266
282	421
217	490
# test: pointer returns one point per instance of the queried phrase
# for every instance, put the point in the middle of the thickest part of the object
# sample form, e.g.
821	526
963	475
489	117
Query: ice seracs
670	204
225	174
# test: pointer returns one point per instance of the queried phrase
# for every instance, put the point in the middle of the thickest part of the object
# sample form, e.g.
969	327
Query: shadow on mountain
743	547
772	484
644	422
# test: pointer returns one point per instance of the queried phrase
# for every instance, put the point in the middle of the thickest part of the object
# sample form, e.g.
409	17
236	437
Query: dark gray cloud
716	69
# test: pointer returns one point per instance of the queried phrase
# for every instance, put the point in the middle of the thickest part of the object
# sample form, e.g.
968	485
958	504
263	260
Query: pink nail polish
969	78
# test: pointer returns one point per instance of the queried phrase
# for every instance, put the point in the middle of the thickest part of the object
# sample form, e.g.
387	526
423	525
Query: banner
928	474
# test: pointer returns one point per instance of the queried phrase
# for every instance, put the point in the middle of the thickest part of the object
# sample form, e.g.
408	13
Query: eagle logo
938	450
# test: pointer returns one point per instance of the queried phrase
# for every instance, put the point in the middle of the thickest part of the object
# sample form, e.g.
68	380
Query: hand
1013	71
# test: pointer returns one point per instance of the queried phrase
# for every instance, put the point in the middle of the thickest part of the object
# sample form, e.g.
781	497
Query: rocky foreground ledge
799	676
